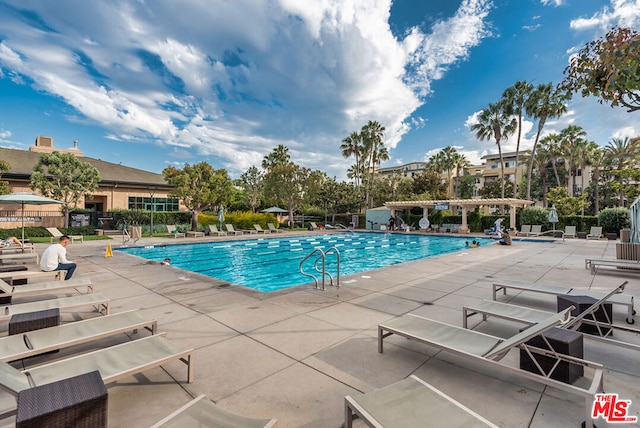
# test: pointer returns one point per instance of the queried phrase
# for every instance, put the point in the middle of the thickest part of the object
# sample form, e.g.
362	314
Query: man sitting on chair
55	258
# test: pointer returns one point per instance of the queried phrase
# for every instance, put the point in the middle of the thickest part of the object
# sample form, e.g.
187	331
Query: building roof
22	162
460	202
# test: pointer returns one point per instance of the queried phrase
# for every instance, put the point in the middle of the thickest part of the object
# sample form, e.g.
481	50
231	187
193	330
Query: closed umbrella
553	218
26	198
221	216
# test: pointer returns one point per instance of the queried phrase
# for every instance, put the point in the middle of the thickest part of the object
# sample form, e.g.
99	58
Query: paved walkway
294	354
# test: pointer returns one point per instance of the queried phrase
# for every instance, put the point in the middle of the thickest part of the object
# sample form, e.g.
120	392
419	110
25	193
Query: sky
157	83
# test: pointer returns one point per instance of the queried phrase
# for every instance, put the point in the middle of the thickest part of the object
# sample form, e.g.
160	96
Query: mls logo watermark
612	409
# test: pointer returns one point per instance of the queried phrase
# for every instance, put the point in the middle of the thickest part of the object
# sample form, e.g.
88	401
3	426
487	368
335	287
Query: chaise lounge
56	234
171	229
489	350
96	300
7	290
595	233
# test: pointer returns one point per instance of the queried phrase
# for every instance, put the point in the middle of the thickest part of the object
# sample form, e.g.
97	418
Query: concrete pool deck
294	354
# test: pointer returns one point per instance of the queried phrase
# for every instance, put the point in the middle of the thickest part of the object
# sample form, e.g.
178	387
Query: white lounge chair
595	233
46	287
260	229
525	229
230	229
19	258
489	350
558	290
536	229
272	228
201	412
171	229
627	266
63	303
408	403
569	232
56	234
214	229
35	342
9	277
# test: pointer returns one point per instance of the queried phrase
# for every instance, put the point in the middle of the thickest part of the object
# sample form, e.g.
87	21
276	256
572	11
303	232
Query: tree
287	182
551	144
460	162
595	158
544	103
514	98
572	141
607	68
494	122
4	185
374	152
565	204
467	185
199	186
352	146
64	177
278	156
493	189
252	183
622	152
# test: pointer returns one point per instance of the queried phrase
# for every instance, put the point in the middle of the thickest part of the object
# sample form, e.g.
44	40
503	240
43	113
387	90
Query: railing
322	257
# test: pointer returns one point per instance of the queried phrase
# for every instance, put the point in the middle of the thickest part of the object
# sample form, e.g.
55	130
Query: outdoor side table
21	323
581	304
79	402
567	342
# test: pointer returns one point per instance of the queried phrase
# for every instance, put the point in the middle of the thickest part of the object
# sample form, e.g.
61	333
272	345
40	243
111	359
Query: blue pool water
270	264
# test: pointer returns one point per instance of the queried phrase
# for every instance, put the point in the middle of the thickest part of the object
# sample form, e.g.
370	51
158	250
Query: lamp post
152	191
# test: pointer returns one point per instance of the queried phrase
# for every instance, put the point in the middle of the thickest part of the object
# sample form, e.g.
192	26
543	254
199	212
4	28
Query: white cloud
624	13
555	3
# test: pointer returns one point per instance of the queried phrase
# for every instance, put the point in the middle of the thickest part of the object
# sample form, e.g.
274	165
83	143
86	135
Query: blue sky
159	83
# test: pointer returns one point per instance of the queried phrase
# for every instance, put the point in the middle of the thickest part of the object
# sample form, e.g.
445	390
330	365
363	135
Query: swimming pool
269	264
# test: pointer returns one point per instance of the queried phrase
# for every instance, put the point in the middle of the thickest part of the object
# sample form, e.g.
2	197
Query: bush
614	219
239	219
534	215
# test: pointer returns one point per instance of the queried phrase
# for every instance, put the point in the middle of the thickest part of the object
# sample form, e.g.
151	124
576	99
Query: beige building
120	187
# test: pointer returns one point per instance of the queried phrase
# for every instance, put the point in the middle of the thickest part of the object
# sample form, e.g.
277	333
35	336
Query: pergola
464	204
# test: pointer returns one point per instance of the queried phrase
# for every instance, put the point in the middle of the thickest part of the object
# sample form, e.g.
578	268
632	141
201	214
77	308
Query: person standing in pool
392	223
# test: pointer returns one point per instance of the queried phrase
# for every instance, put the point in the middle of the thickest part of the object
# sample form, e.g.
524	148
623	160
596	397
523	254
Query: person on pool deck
55	258
392	223
11	240
506	238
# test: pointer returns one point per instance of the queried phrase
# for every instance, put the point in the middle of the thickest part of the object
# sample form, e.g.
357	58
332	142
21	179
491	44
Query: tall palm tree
541	161
621	152
352	146
515	98
448	163
551	143
596	158
494	122
374	151
544	103
460	162
571	139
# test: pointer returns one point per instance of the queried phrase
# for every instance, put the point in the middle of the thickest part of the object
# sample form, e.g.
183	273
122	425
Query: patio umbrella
553	218
275	210
221	216
26	198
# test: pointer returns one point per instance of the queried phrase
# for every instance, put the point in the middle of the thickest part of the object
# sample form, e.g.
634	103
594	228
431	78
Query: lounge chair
56	234
628	266
596	233
525	229
113	363
569	232
410	402
195	233
259	228
558	290
489	350
10	277
7	290
214	229
35	342
313	224
536	229
230	229
19	258
201	412
171	229
272	228
63	303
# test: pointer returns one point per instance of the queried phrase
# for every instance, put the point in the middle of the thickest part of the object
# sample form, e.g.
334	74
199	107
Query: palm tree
551	143
515	98
596	159
541	161
571	138
448	163
620	152
352	146
460	162
494	122
544	103
374	151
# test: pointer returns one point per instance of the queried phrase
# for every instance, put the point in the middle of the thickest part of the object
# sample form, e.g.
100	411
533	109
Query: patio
294	354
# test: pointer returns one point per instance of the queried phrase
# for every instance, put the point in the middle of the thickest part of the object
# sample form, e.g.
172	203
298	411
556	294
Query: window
159	204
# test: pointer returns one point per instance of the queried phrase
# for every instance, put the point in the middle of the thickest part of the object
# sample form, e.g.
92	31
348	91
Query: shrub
534	215
614	219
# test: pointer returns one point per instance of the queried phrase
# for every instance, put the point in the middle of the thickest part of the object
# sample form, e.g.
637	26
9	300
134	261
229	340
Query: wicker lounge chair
171	229
489	350
558	290
201	412
64	303
56	234
214	229
44	340
113	363
409	403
